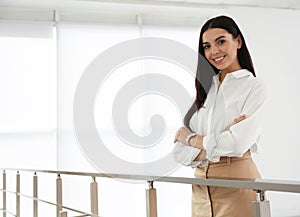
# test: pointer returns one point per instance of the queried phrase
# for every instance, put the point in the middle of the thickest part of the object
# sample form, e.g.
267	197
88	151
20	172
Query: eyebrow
222	36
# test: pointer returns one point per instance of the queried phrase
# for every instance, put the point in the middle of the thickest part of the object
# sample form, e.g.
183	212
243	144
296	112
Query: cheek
234	49
206	54
234	52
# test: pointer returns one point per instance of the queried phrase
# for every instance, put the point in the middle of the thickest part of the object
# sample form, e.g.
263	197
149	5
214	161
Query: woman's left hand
181	135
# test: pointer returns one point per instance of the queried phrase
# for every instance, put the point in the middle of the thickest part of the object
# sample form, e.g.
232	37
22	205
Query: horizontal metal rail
10	213
48	202
257	184
61	210
261	207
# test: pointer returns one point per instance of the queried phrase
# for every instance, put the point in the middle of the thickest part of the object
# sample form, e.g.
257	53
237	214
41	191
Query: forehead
211	34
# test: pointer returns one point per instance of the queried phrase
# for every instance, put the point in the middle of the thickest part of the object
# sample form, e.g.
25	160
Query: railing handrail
257	184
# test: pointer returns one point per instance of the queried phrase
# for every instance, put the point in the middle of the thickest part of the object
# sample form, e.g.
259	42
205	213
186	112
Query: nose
214	50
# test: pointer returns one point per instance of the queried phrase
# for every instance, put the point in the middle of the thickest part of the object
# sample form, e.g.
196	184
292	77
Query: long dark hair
206	71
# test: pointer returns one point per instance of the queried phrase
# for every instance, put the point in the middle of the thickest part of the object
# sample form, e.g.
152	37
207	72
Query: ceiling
281	4
173	12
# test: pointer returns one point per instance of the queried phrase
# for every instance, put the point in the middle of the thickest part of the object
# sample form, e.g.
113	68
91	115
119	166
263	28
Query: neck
222	76
225	72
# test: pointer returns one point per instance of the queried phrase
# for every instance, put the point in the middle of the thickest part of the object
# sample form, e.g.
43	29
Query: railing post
63	214
4	193
18	194
151	201
94	196
58	195
261	207
35	195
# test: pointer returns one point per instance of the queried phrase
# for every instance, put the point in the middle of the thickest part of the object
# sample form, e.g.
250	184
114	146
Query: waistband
228	160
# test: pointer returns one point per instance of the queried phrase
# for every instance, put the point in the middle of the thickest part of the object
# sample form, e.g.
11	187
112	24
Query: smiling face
220	49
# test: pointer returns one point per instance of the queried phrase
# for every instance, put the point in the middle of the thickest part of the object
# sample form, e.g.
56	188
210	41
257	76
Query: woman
223	125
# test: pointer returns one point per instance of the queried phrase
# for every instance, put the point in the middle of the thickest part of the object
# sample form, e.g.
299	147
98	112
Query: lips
219	59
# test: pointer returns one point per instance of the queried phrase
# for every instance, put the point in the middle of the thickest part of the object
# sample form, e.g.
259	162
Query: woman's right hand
237	120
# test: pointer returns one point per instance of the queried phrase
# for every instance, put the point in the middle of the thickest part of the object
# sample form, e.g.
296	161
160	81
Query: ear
240	41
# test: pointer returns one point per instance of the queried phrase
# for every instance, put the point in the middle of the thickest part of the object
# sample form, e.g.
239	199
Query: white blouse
240	93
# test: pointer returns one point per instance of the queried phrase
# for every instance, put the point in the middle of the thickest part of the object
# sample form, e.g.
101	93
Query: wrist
189	138
197	142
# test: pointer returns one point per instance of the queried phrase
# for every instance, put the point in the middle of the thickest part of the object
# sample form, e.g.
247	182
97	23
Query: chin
220	69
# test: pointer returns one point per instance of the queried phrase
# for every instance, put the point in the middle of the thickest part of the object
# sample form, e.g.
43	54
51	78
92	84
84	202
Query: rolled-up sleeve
185	154
243	135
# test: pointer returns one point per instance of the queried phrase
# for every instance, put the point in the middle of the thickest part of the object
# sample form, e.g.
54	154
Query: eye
220	42
206	46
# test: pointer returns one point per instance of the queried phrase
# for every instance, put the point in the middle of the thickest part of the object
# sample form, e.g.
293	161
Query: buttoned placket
217	89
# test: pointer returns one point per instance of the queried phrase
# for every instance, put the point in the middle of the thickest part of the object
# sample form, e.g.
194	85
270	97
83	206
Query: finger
243	116
239	119
176	138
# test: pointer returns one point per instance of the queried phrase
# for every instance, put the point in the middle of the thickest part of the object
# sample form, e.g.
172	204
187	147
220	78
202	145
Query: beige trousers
220	201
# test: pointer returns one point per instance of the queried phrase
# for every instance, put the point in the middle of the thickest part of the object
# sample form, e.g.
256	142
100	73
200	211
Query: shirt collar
236	74
240	73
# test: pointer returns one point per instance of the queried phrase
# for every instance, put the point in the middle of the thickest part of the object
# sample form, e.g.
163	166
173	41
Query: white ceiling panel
253	3
277	3
294	4
205	1
284	4
187	10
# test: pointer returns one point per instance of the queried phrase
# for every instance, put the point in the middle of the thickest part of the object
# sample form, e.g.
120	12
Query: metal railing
261	206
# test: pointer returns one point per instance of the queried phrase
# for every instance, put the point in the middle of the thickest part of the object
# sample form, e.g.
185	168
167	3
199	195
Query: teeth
218	59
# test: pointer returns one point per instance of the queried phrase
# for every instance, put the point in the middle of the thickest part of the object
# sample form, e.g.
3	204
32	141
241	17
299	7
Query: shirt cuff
185	154
195	164
209	143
